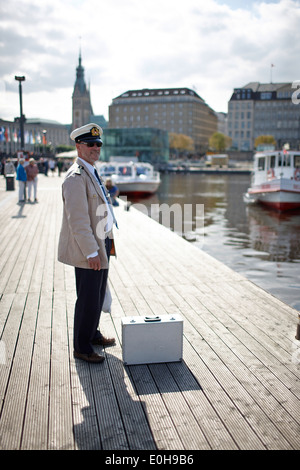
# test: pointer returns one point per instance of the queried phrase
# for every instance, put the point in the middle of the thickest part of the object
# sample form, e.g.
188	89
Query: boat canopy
267	160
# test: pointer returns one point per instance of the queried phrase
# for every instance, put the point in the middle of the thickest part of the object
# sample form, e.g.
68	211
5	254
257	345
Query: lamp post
22	117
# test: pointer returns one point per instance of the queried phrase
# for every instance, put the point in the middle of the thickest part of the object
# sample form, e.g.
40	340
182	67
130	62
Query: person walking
32	179
22	178
86	240
60	165
9	168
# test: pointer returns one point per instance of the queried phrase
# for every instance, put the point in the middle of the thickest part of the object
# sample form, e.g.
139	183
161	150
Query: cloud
211	45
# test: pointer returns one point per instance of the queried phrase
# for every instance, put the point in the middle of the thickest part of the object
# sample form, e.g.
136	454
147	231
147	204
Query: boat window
279	159
125	170
107	170
286	160
141	170
297	161
261	163
272	161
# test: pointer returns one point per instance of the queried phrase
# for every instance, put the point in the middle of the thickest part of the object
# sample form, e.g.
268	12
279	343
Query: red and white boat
275	180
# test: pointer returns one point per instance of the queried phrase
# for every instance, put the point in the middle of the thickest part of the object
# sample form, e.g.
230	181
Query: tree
181	142
219	141
265	139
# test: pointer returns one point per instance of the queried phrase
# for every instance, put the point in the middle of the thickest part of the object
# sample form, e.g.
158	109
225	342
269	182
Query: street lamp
22	117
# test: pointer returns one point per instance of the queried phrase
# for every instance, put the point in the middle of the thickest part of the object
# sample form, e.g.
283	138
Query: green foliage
181	142
265	139
219	141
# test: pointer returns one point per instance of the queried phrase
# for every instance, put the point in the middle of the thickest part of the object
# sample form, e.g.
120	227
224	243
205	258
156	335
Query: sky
210	46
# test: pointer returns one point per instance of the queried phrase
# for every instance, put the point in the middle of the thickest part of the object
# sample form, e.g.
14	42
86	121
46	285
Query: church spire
80	82
81	100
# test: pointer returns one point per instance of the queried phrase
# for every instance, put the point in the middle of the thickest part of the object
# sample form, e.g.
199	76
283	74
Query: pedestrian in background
32	179
113	191
9	167
21	178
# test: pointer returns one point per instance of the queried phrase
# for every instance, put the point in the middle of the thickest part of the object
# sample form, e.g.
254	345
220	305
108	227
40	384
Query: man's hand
94	263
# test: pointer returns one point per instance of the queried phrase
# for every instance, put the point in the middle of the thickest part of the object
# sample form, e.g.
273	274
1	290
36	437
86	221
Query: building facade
177	110
263	109
37	134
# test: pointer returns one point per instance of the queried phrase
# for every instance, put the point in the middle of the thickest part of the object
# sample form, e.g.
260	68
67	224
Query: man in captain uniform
86	240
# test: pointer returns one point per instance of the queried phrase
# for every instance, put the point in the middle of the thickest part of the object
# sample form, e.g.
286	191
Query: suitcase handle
152	319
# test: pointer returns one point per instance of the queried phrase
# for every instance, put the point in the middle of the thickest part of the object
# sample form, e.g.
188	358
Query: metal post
22	117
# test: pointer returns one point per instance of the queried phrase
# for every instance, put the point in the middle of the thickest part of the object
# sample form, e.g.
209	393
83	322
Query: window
125	170
266	96
286	160
261	163
297	161
272	161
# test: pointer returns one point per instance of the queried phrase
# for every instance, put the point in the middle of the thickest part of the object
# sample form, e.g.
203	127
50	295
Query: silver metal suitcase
147	340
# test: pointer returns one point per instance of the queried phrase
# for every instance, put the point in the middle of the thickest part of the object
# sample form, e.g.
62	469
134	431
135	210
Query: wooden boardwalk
236	388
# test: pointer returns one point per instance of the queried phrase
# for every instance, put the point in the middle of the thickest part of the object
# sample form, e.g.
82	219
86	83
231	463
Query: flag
2	134
6	133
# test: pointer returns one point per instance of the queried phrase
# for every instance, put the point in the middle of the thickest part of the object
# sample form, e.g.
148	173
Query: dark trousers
90	288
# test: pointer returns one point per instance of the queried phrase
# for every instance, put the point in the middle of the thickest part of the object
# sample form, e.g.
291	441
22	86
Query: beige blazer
82	231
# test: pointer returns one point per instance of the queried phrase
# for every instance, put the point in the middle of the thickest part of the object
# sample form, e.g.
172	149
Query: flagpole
272	65
20	80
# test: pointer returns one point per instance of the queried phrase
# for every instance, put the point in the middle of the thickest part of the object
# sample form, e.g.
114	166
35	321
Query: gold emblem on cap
95	131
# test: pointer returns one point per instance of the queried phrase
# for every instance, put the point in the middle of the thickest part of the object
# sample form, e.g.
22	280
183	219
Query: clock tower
81	100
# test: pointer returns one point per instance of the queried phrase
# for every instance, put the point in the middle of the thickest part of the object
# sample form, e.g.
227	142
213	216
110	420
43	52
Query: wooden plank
9	338
12	416
178	408
136	425
60	402
85	424
162	426
36	421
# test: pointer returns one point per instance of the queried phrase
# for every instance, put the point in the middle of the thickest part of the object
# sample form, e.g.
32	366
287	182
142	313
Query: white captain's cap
88	133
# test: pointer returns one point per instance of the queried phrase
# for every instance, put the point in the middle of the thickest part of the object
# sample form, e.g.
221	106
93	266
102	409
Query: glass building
149	145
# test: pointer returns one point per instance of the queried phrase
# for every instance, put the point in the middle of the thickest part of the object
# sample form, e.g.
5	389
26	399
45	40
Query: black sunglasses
91	144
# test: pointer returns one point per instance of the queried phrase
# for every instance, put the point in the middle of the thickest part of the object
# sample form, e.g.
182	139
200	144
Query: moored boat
275	180
132	177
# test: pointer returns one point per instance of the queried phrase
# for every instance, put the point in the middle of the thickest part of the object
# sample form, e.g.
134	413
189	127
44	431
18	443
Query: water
259	243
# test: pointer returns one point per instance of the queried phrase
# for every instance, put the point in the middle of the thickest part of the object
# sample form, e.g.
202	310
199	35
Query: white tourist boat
132	177
275	180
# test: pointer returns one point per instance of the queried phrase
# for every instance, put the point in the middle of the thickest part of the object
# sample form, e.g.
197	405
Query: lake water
259	243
